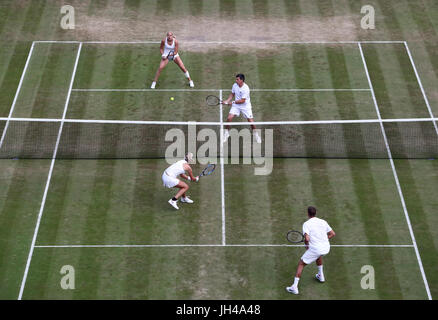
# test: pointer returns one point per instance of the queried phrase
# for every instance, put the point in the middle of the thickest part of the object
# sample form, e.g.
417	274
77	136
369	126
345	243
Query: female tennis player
241	104
169	51
170	179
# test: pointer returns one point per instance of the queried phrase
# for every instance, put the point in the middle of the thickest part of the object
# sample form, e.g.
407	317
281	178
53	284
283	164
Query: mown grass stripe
427	31
4	13
33	17
137	283
11	77
79	101
419	210
227	8
394	133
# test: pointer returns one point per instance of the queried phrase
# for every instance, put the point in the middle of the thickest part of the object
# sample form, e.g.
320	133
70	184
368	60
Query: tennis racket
213	100
208	170
294	236
170	55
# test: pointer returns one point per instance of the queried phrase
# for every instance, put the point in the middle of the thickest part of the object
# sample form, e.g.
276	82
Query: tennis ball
172	98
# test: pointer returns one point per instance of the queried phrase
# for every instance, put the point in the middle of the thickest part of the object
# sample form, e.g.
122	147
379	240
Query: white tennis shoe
173	204
319	277
186	200
292	289
153	85
192	85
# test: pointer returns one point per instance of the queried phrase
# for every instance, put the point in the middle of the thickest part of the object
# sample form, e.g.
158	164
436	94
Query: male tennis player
170	179
316	233
241	104
167	45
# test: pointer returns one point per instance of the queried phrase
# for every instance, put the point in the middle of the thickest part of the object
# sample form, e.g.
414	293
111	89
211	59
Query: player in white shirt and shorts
240	105
170	179
167	45
316	233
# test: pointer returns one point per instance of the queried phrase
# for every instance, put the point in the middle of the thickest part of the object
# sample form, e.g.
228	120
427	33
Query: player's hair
241	76
188	157
311	211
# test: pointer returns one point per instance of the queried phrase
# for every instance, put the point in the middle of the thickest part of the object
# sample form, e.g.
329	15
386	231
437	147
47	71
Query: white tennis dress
171	173
319	244
168	48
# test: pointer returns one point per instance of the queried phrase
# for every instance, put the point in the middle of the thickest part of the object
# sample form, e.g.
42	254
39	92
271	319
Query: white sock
187	74
296	280
320	270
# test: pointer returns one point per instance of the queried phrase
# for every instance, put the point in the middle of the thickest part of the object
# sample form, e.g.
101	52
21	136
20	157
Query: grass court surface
109	218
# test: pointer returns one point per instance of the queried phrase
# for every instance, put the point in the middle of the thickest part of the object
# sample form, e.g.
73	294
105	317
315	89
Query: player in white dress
316	233
167	45
170	180
241	104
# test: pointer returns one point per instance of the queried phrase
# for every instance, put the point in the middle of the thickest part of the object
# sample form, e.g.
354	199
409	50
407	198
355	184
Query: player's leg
320	275
163	63
255	131
227	127
180	64
183	187
294	287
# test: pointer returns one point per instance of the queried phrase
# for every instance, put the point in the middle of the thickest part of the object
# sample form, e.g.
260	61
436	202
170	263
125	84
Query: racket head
294	236
212	100
170	55
208	170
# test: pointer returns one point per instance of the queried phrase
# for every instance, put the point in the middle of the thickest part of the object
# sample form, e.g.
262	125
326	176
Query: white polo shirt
317	230
241	92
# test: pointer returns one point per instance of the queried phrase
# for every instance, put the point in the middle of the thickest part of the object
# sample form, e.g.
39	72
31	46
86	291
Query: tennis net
94	139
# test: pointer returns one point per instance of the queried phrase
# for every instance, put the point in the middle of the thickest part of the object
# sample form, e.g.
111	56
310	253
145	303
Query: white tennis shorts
246	111
168	181
312	254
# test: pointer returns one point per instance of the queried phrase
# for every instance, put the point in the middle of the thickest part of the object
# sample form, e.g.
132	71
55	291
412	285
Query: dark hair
311	211
240	76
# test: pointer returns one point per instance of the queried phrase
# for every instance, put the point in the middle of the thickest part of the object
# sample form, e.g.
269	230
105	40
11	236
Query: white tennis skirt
169	182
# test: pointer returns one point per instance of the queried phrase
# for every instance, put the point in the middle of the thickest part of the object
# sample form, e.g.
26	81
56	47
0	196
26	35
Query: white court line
224	42
49	177
16	94
421	86
222	168
220	245
396	178
207	90
213	123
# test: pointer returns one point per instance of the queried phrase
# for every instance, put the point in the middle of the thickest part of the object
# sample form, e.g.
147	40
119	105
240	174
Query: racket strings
212	100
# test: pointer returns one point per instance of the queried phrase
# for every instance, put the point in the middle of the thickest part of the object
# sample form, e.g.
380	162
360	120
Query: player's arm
331	234
240	101
190	173
231	96
162	48
306	240
175	51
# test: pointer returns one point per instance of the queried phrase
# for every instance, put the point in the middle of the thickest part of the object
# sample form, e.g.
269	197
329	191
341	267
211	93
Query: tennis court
82	154
109	218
